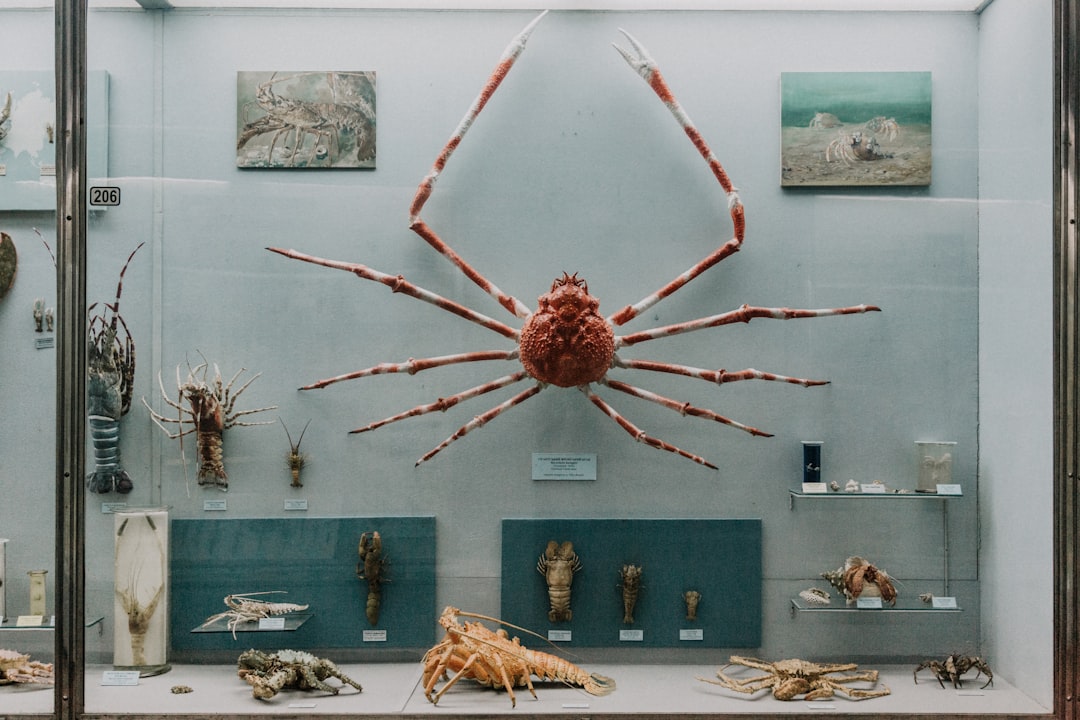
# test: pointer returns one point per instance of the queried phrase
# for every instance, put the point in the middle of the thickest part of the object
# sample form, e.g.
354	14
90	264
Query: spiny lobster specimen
566	342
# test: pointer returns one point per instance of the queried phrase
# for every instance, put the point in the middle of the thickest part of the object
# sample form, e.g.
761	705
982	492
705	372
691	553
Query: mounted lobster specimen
110	371
210	412
558	565
493	659
372	568
566	342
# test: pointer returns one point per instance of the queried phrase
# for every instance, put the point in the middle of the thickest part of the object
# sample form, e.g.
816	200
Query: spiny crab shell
566	342
15	667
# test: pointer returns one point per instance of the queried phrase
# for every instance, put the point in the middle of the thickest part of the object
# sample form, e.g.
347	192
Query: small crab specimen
268	674
955	666
16	667
566	342
790	678
859	577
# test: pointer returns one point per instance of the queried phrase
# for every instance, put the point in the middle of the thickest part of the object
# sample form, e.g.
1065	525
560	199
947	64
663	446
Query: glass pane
892	159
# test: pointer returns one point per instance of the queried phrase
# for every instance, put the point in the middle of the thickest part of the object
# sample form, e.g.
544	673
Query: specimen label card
948	489
564	466
272	623
374	636
631	635
295	504
560	635
871	603
944	603
815	488
29	621
214	505
692	634
120	677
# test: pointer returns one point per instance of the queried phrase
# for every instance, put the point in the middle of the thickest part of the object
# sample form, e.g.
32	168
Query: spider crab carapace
566	342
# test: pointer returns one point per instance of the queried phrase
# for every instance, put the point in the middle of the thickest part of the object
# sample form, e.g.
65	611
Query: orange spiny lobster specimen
211	409
495	660
566	342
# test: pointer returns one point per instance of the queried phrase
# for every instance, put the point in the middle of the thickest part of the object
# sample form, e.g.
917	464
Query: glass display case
393	308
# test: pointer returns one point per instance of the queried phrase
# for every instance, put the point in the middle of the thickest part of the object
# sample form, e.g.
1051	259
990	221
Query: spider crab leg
481	420
423	192
639	434
643	64
683	408
397	283
744	314
444	404
413	366
718	377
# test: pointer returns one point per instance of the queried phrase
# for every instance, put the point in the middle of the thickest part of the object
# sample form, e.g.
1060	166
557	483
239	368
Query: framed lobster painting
305	119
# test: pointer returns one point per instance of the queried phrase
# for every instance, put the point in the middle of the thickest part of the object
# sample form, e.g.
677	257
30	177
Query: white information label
3	169
815	488
576	706
374	636
215	505
949	489
30	621
970	693
631	635
305	705
44	343
48	171
108	508
873	488
871	603
691	634
295	504
943	603
125	678
560	635
819	706
272	623
564	466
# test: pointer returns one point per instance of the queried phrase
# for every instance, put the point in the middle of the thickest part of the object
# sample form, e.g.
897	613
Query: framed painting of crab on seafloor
305	119
855	128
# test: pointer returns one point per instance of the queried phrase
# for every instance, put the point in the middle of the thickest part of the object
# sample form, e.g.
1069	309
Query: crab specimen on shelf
566	342
269	673
15	667
791	678
953	667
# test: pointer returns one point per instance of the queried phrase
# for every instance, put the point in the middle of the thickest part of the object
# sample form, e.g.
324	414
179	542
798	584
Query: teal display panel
721	559
312	559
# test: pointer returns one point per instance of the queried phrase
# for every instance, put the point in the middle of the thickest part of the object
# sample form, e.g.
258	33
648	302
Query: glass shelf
868	496
11	623
840	605
221	625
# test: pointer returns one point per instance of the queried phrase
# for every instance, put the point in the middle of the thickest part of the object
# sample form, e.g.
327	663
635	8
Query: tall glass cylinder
37	591
935	464
3	578
141	606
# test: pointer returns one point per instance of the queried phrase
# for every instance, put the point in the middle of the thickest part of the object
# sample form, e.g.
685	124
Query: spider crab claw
642	63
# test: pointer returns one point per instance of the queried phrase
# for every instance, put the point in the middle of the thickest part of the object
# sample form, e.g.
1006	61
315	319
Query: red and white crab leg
444	404
718	377
397	283
744	314
413	366
643	64
637	433
423	192
481	420
683	408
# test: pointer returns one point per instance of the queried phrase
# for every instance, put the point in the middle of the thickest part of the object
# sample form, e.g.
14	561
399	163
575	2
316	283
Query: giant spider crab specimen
789	678
565	342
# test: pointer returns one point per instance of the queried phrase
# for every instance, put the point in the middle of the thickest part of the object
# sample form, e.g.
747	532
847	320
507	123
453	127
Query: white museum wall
574	166
1016	339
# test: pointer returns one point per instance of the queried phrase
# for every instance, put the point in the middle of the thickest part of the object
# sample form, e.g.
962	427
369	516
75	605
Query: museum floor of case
394	689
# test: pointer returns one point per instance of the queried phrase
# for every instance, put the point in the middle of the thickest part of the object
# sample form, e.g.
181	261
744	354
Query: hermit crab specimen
566	342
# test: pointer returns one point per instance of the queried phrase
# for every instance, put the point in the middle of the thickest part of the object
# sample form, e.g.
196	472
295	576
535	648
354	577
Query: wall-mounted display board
720	559
314	561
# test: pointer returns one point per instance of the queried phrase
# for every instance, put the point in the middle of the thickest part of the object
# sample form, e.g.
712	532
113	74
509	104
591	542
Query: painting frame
855	129
306	119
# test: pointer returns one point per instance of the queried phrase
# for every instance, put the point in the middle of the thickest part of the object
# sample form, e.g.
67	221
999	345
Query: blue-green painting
855	128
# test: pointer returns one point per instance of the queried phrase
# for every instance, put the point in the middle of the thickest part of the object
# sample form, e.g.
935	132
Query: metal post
71	193
1066	356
